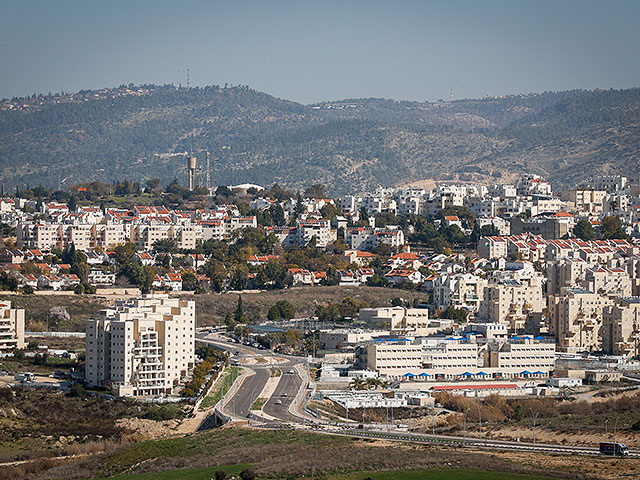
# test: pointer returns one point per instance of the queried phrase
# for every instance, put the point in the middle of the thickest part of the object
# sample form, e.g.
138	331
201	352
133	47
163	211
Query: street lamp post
615	430
479	418
606	428
534	425
465	424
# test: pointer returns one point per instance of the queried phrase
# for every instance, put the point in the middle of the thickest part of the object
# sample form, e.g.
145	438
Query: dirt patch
150	428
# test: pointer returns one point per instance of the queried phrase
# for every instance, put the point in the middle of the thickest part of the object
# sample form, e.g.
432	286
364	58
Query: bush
163	412
247	474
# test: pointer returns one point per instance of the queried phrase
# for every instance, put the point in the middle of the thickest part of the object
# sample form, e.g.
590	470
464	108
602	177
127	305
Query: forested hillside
136	133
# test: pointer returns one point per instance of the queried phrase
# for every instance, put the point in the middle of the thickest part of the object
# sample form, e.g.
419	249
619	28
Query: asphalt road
240	404
472	442
289	383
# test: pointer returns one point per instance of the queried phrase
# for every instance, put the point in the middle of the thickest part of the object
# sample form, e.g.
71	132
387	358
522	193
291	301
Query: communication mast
191	166
188	78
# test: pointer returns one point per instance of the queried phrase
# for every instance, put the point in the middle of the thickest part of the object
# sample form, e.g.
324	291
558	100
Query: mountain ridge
351	145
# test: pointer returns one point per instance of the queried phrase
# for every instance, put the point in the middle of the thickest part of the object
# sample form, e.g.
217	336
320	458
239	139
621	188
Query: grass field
212	308
204	473
288	454
228	377
425	474
79	307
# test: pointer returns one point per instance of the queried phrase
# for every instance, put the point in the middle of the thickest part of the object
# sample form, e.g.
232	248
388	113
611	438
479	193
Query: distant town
516	291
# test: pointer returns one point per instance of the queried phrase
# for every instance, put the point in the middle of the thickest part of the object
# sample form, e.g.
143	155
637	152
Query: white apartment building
334	339
621	327
398	320
462	290
510	301
141	347
576	319
11	327
565	272
365	238
608	281
492	247
586	200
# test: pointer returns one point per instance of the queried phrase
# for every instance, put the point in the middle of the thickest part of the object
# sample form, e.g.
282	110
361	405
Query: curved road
249	390
285	392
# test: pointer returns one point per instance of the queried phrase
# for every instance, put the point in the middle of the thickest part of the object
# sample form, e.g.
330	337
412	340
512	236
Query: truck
25	377
614	448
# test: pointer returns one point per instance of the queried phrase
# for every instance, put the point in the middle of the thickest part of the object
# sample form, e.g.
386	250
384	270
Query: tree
397	302
277	215
611	228
299	209
238	314
189	281
124	253
584	230
452	313
316	190
224	191
154	184
282	309
165	245
72	204
247	474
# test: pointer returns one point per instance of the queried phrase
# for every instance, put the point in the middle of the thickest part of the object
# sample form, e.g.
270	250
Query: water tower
191	165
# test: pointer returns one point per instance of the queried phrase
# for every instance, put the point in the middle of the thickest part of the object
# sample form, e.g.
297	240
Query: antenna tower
451	95
188	78
207	173
178	84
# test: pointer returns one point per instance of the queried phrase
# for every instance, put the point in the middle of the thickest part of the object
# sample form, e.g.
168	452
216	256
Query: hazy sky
322	50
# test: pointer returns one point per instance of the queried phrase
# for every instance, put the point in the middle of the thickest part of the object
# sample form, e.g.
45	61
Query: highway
240	403
289	384
280	407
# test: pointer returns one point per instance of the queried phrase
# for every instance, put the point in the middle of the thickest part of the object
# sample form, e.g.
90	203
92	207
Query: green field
229	376
205	473
423	474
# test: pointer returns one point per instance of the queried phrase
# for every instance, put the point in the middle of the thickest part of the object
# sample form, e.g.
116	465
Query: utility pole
534	425
465	424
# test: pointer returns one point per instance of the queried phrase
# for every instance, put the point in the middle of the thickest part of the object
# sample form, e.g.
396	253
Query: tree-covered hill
137	133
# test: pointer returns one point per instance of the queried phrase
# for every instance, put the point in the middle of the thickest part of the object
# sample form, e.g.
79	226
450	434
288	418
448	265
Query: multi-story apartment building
510	301
614	282
586	200
621	327
363	238
141	347
11	327
576	319
565	272
462	290
398	320
493	247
